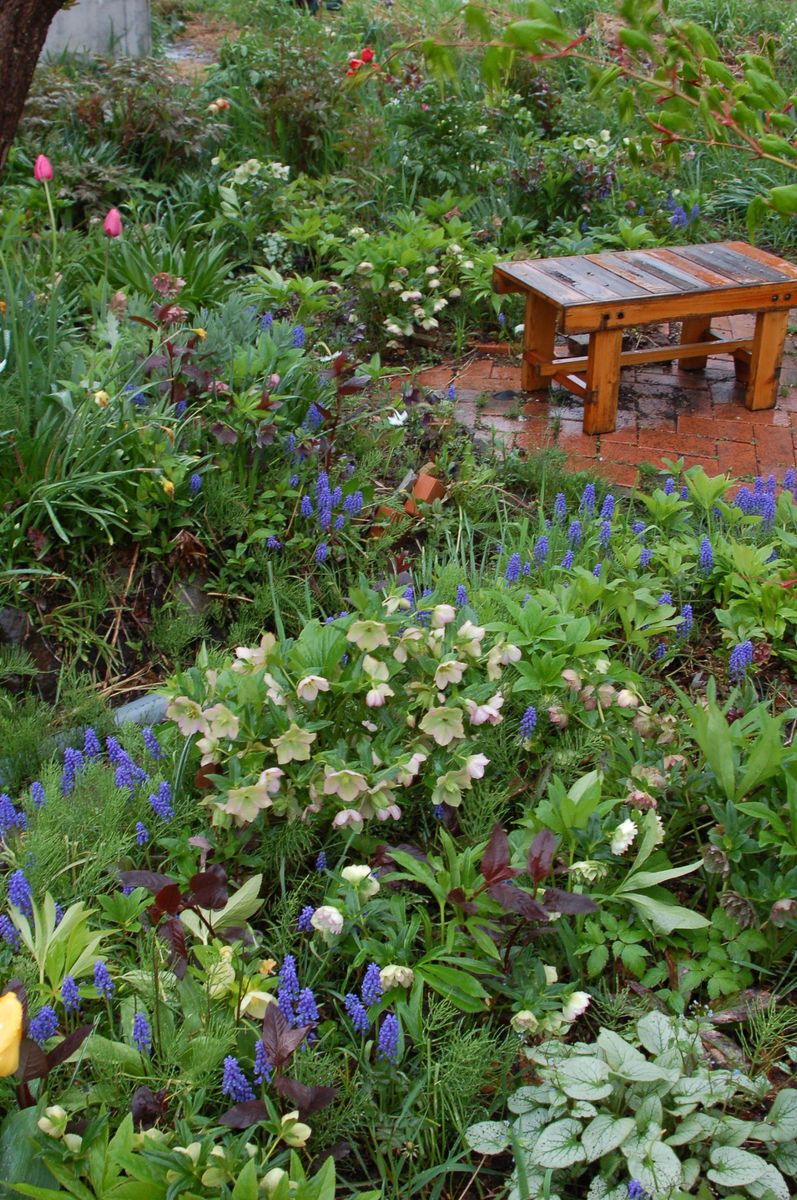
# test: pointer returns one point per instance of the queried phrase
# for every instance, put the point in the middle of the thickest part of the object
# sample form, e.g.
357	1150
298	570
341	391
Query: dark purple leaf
457	896
224	433
147	1107
514	899
495	860
241	1116
570	903
279	1039
307	1099
209	888
150	880
143	321
32	1061
357	383
69	1045
18	988
173	933
168	898
541	854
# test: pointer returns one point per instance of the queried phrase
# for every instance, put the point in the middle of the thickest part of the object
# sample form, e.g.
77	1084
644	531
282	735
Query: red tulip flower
113	223
42	169
367	55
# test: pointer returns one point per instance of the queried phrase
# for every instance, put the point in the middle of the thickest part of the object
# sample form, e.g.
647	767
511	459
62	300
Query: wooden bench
603	294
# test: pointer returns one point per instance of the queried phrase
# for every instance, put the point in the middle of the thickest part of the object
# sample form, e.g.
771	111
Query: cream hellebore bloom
223	723
347	816
448	789
450	671
244	803
188	716
481	714
252	658
54	1121
576	1005
588	871
294	1132
362	880
443	614
327	919
308	688
368	635
524	1022
475	765
346	784
407	773
376	696
293	745
623	836
551	974
273	1178
396	418
443	724
408	638
396	976
255	1003
470	638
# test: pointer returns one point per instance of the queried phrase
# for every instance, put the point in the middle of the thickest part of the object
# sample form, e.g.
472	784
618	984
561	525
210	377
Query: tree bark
23	29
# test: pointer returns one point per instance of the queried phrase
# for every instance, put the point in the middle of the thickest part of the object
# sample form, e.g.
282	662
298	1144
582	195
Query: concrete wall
116	27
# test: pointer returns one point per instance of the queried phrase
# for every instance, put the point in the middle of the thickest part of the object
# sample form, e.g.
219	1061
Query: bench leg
768	342
539	333
603	380
694	329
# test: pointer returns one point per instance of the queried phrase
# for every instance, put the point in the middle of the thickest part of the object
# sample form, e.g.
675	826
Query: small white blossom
623	836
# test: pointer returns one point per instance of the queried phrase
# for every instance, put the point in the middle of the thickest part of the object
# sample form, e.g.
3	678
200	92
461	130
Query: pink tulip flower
113	223
42	169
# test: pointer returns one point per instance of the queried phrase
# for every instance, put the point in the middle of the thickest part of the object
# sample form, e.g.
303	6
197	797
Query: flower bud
113	223
42	169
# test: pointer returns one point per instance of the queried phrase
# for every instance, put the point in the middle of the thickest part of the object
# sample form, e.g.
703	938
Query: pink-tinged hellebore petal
42	169
113	223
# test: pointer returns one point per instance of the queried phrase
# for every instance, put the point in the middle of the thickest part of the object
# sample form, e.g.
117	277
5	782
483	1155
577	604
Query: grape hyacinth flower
387	1045
527	567
142	1034
195	484
512	573
102	979
297	338
636	1190
669	486
306	507
371	990
91	744
340	521
560	508
306	1008
128	774
596	570
438	812
451	394
587	504
607	508
321	552
605	533
462	595
273	543
9	932
409	595
73	761
645	557
267	322
574	534
314	418
19	893
665	598
790	479
142	834
38	794
684	492
541	550
9	817
44	1025
70	995
162	802
263	1068
687	621
321	861
353	504
741	658
356	1012
59	914
638	527
660	651
528	723
152	744
567	561
304	922
706	556
234	1083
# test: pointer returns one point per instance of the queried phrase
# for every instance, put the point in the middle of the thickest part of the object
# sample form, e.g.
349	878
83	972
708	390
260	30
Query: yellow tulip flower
10	1033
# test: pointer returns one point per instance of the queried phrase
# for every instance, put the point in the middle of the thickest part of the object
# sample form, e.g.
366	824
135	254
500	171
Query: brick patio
663	413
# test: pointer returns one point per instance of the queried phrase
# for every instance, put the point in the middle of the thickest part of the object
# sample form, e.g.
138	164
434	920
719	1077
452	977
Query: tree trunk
23	29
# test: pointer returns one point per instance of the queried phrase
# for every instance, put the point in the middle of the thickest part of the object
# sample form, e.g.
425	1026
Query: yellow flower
200	332
102	399
167	486
10	1033
267	965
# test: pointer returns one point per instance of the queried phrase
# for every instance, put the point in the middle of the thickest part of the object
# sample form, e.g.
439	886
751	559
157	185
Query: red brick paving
664	414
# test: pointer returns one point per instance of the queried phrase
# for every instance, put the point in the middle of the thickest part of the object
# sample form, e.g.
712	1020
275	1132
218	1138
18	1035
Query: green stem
52	225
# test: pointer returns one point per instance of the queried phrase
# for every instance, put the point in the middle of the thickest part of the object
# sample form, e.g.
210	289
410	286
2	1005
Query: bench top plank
575	280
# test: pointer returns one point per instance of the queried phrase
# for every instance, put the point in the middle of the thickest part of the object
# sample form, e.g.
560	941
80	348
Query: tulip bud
42	169
113	223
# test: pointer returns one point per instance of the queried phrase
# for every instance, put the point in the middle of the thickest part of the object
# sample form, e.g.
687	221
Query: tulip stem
52	225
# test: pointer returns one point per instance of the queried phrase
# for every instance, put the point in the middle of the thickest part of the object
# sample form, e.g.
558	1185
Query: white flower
576	1005
356	231
481	714
551	974
475	764
450	671
455	293
432	271
188	715
480	129
623	836
434	283
659	829
470	637
524	1022
430	323
442	614
365	268
396	976
368	635
397	418
376	696
407	774
439	305
627	699
468	264
579	143
588	871
362	880
443	724
411	295
327	919
455	247
347	816
346	784
308	688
